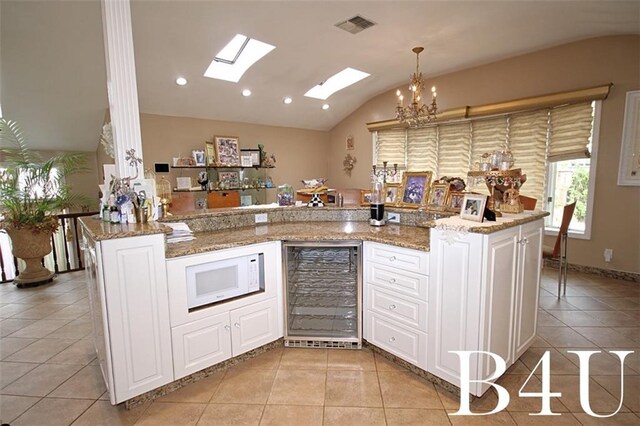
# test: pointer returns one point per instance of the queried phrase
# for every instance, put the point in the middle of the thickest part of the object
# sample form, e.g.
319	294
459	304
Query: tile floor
49	376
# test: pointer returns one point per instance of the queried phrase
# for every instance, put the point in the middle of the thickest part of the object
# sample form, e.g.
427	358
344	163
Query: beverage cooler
322	294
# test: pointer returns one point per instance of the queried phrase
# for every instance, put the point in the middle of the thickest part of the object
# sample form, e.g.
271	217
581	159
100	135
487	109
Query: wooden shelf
221	190
221	167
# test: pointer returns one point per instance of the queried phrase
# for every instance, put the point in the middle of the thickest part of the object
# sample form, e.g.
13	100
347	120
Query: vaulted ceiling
53	76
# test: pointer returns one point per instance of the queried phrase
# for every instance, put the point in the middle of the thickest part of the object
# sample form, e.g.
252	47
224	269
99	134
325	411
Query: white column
121	83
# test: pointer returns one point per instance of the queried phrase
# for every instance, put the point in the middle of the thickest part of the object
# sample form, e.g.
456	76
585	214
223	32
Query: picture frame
227	151
392	191
229	180
198	157
255	156
456	199
473	207
415	189
245	160
210	153
629	167
439	196
365	197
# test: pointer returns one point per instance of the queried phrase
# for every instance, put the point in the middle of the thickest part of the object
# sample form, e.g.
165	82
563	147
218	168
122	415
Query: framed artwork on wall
227	151
455	201
365	197
198	157
229	180
439	196
629	168
254	154
210	153
414	189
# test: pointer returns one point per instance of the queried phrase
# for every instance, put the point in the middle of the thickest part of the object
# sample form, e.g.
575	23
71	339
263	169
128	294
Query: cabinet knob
524	241
226	327
392	280
392	259
392	339
392	307
236	325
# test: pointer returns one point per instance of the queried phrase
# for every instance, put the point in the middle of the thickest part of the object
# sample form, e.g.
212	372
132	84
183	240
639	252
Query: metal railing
65	255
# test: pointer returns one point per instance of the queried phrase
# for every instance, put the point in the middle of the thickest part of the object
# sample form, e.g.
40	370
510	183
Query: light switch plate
261	218
393	217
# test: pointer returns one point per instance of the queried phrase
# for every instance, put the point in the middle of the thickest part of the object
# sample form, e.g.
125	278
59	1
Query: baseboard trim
601	272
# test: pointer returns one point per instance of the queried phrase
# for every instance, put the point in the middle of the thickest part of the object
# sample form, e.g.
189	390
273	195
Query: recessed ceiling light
236	58
287	100
246	92
339	81
325	106
181	81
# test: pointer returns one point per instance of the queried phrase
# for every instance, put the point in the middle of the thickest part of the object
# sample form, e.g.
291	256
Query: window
552	146
571	167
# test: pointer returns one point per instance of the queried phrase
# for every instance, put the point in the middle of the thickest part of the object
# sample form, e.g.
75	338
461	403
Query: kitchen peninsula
429	286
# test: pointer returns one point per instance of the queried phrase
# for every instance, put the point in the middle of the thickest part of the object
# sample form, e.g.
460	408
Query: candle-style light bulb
433	89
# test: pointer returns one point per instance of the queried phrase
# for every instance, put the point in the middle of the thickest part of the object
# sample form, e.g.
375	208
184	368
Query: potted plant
32	192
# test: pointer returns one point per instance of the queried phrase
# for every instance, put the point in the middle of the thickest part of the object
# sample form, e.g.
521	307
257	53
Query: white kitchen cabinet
216	338
130	310
200	344
395	306
483	297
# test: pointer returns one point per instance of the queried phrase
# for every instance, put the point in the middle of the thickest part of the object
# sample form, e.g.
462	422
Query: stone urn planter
31	246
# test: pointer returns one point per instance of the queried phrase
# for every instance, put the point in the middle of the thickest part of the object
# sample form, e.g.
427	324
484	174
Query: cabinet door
454	302
135	288
528	288
499	300
254	325
200	344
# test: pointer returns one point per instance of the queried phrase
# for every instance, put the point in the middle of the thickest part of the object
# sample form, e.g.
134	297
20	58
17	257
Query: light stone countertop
507	220
100	230
413	237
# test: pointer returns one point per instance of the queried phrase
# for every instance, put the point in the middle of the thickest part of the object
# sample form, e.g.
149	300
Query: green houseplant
32	192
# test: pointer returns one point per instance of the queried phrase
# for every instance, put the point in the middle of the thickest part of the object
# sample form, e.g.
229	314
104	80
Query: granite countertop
100	230
399	235
507	220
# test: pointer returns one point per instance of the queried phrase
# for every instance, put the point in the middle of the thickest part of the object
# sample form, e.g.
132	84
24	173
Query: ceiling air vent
355	24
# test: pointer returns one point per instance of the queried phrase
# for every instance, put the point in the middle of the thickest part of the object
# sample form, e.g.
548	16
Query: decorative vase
31	247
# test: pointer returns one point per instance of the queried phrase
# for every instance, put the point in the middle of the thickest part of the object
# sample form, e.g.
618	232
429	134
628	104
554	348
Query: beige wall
571	66
300	154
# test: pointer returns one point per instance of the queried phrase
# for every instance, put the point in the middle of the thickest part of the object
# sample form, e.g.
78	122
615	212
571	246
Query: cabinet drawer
407	310
407	283
200	344
398	339
398	257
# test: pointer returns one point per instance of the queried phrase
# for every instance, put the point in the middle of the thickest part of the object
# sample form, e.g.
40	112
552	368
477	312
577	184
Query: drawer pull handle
226	327
236	325
392	339
392	259
392	280
392	307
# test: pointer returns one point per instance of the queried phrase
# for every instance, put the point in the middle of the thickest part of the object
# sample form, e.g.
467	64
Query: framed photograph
198	157
455	201
350	143
255	156
365	197
210	153
439	196
391	197
183	182
229	180
414	189
473	207
245	160
629	168
227	151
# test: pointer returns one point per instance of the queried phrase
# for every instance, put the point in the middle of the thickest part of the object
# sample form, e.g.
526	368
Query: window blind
422	150
486	136
570	132
391	147
528	144
454	149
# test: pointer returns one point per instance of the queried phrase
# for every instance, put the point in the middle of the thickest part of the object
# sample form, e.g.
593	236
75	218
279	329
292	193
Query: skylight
236	58
339	81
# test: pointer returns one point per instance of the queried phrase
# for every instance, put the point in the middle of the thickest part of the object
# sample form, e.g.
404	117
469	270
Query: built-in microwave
216	281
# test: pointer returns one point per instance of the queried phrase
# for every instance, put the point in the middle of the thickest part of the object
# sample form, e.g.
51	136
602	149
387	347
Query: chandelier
416	114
